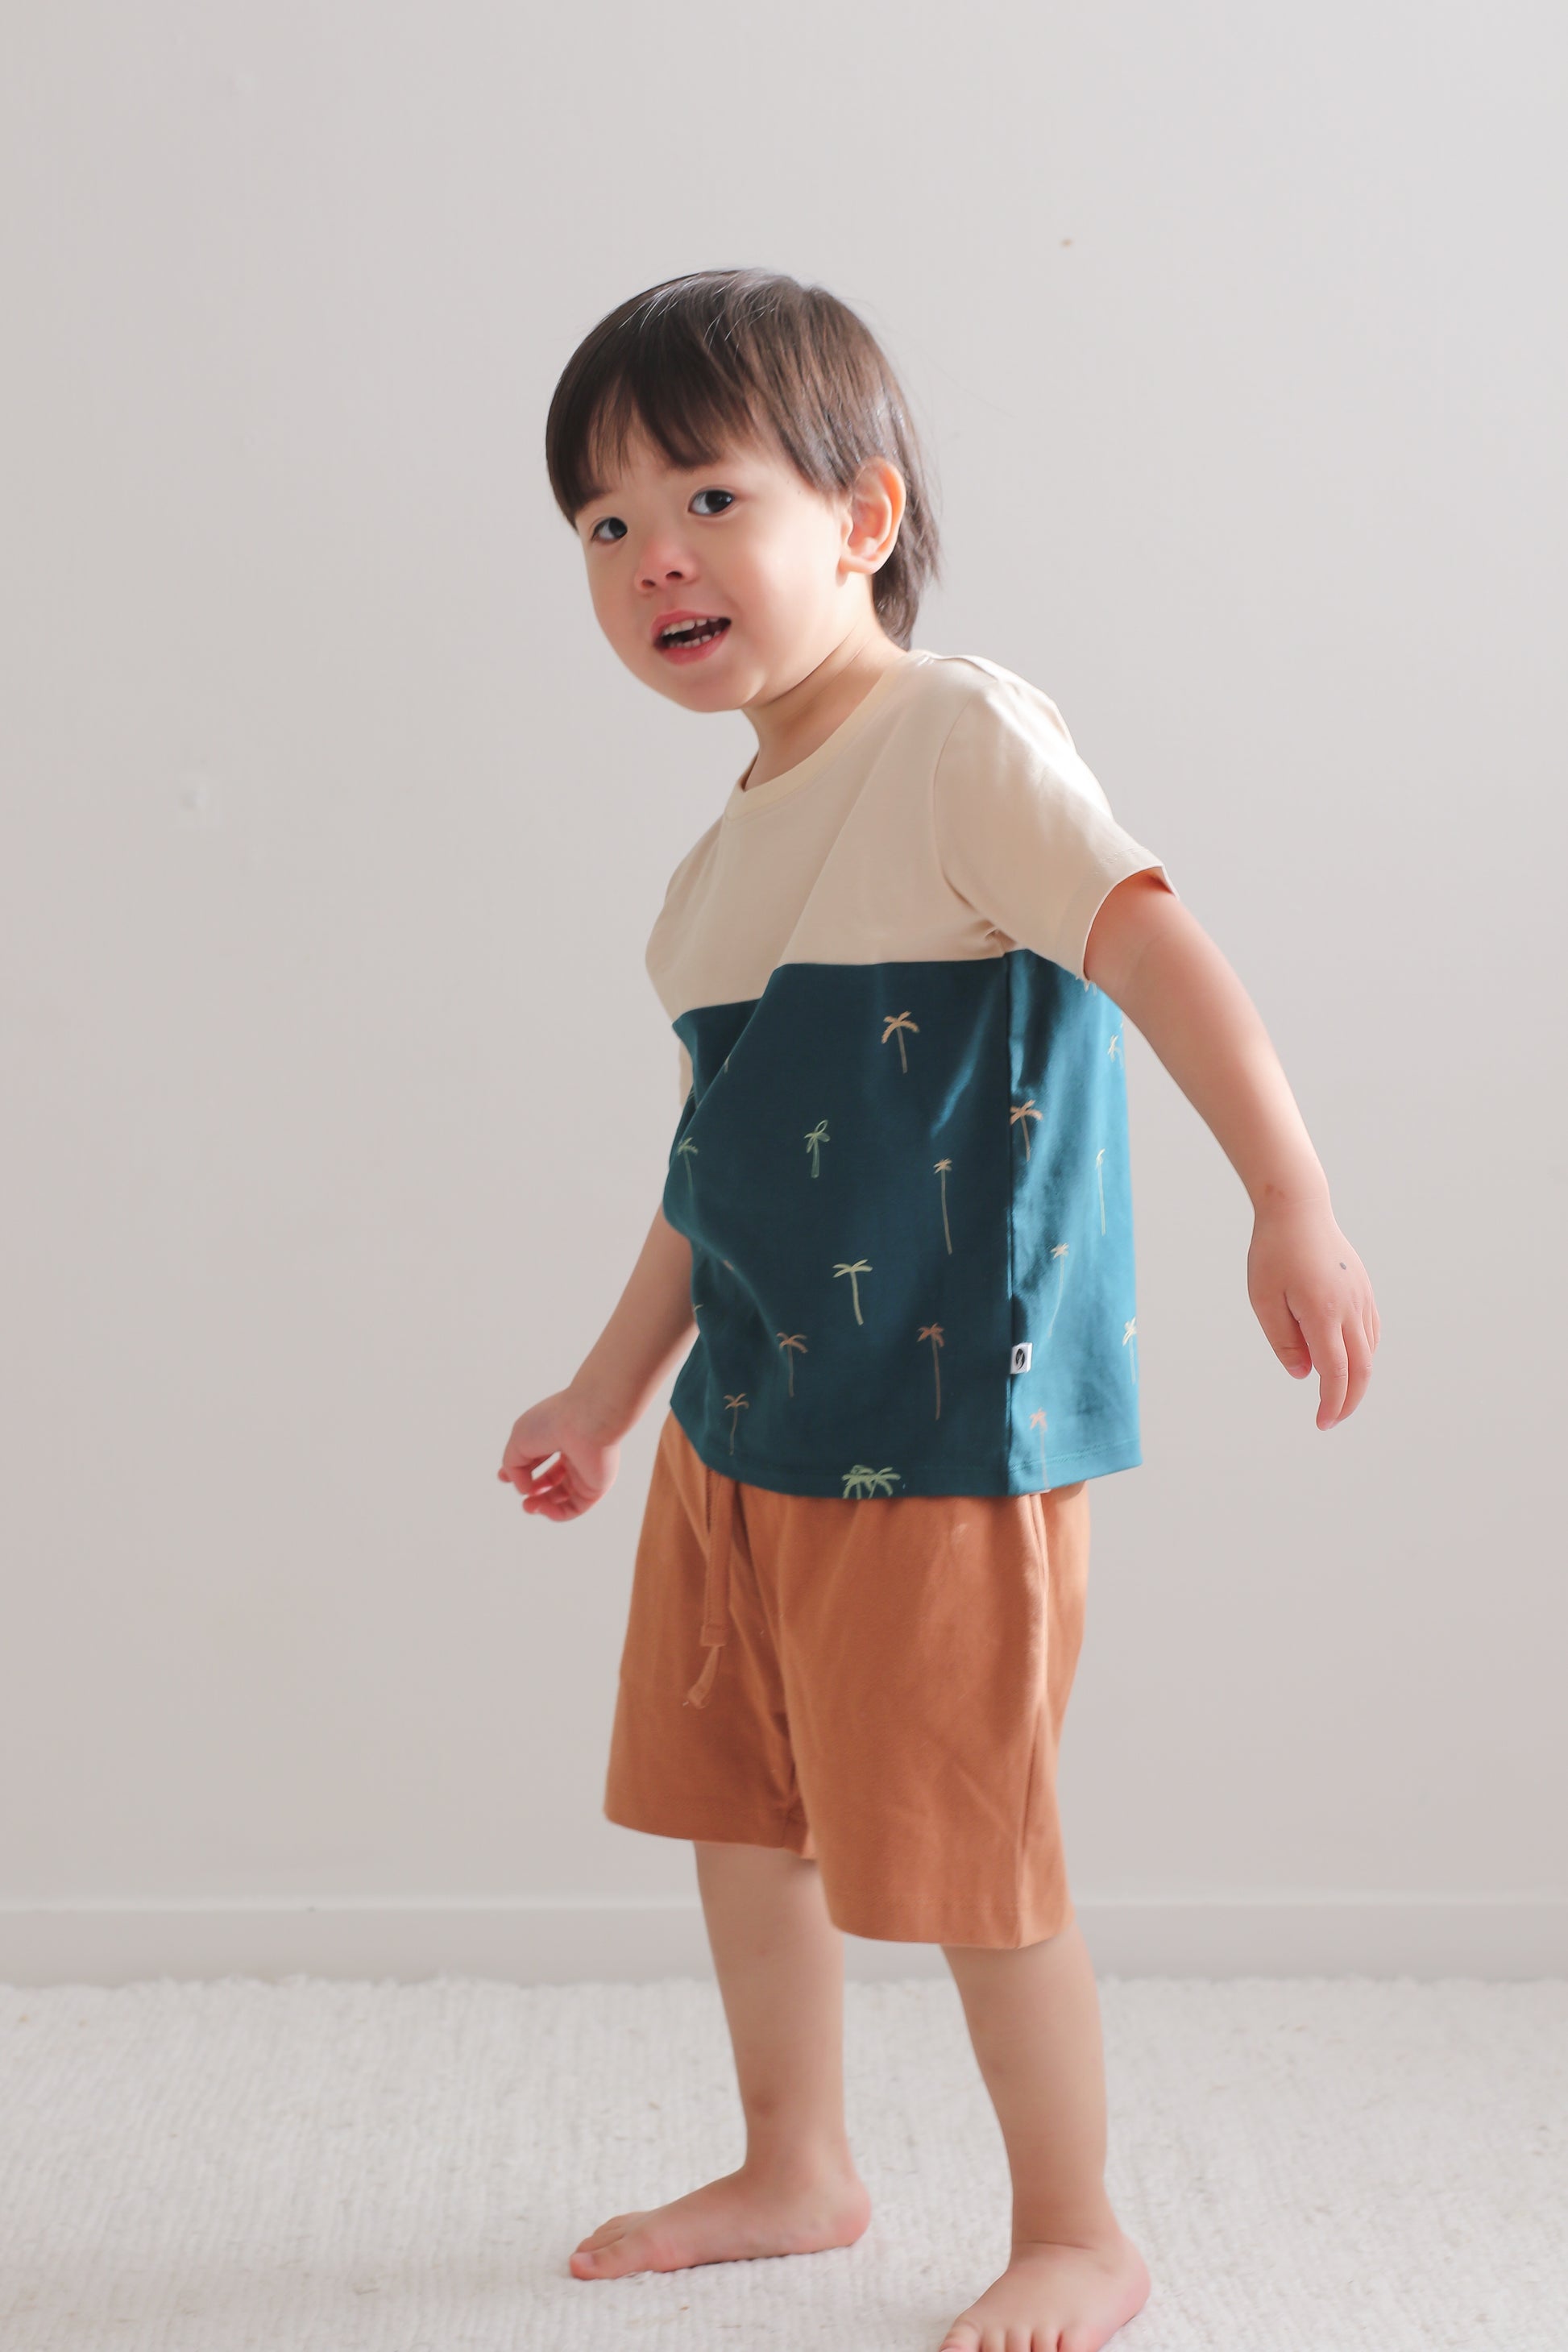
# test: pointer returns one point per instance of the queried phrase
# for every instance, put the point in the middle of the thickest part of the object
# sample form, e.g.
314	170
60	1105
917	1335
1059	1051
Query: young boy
896	1240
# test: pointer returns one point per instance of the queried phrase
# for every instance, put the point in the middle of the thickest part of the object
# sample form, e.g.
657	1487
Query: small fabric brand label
1021	1355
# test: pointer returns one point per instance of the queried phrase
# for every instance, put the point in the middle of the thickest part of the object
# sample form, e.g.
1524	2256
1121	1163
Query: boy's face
743	543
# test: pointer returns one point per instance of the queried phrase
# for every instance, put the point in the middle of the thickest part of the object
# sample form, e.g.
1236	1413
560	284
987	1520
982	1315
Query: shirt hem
1065	1470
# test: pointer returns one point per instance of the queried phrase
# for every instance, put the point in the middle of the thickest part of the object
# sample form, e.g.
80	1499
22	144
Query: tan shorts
878	1684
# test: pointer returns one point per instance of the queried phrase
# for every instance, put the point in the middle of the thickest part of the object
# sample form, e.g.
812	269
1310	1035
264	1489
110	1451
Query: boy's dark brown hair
735	354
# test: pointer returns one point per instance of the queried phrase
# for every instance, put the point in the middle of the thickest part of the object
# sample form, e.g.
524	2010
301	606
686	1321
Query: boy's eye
618	530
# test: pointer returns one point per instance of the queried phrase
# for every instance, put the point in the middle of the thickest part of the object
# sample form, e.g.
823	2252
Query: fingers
532	1471
1283	1334
548	1487
554	1506
1360	1372
563	1502
1361	1345
557	1492
1331	1361
1342	1358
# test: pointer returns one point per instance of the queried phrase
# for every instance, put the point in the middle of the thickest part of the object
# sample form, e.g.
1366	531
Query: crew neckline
745	801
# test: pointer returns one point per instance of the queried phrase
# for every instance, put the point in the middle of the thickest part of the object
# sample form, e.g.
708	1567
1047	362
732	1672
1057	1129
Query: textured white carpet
1310	2166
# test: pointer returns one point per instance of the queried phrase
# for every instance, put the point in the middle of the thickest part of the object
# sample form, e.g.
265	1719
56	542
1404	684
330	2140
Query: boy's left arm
1309	1289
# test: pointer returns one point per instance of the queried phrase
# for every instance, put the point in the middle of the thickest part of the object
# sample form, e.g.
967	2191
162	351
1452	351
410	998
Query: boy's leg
1074	2278
780	1964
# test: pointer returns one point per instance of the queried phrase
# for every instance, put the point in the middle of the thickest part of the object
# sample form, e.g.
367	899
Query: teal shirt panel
882	1211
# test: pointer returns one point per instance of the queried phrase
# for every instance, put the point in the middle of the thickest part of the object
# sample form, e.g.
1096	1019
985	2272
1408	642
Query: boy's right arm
564	1452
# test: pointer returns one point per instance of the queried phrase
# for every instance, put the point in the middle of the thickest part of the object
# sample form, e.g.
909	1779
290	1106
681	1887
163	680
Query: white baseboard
570	1940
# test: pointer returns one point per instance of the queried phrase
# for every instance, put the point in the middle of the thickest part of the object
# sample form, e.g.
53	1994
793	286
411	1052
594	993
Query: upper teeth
676	628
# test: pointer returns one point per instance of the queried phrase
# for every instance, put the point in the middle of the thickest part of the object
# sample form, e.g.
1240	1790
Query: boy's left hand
1310	1292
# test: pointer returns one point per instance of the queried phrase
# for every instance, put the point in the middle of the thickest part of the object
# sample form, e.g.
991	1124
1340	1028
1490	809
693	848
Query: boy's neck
794	724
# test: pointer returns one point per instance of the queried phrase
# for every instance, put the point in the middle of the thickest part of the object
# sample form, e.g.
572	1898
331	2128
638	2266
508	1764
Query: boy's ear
877	501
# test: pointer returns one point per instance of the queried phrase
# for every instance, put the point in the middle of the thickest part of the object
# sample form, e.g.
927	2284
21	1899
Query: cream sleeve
1024	832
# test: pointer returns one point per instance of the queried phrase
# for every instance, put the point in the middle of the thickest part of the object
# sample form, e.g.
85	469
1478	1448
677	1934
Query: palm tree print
863	1480
897	1024
941	1170
688	1152
858	1268
1037	1420
1129	1339
788	1342
932	1331
814	1141
735	1406
1025	1111
1114	1048
1060	1254
1100	1177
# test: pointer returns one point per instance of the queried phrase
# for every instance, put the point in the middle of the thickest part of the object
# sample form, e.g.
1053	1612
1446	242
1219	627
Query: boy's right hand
556	1459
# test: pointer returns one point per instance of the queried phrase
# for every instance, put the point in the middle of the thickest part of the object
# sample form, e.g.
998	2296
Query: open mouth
682	637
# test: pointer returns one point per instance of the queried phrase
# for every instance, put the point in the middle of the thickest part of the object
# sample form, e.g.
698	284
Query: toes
595	2251
600	2261
605	2235
613	2228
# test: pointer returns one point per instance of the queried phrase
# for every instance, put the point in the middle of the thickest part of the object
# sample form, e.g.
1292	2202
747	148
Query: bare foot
734	2219
1055	2298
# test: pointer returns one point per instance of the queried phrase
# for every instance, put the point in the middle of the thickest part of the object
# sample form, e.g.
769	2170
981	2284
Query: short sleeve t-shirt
902	1157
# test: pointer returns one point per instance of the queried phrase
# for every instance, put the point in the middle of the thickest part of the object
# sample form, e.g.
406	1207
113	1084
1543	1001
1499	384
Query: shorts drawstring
716	1583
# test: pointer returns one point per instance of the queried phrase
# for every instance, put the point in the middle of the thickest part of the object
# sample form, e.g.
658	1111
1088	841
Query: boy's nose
653	577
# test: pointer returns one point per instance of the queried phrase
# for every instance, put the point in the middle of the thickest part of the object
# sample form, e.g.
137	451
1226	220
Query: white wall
340	1100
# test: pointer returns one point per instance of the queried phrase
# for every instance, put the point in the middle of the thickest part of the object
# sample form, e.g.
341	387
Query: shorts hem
789	1833
1038	1930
